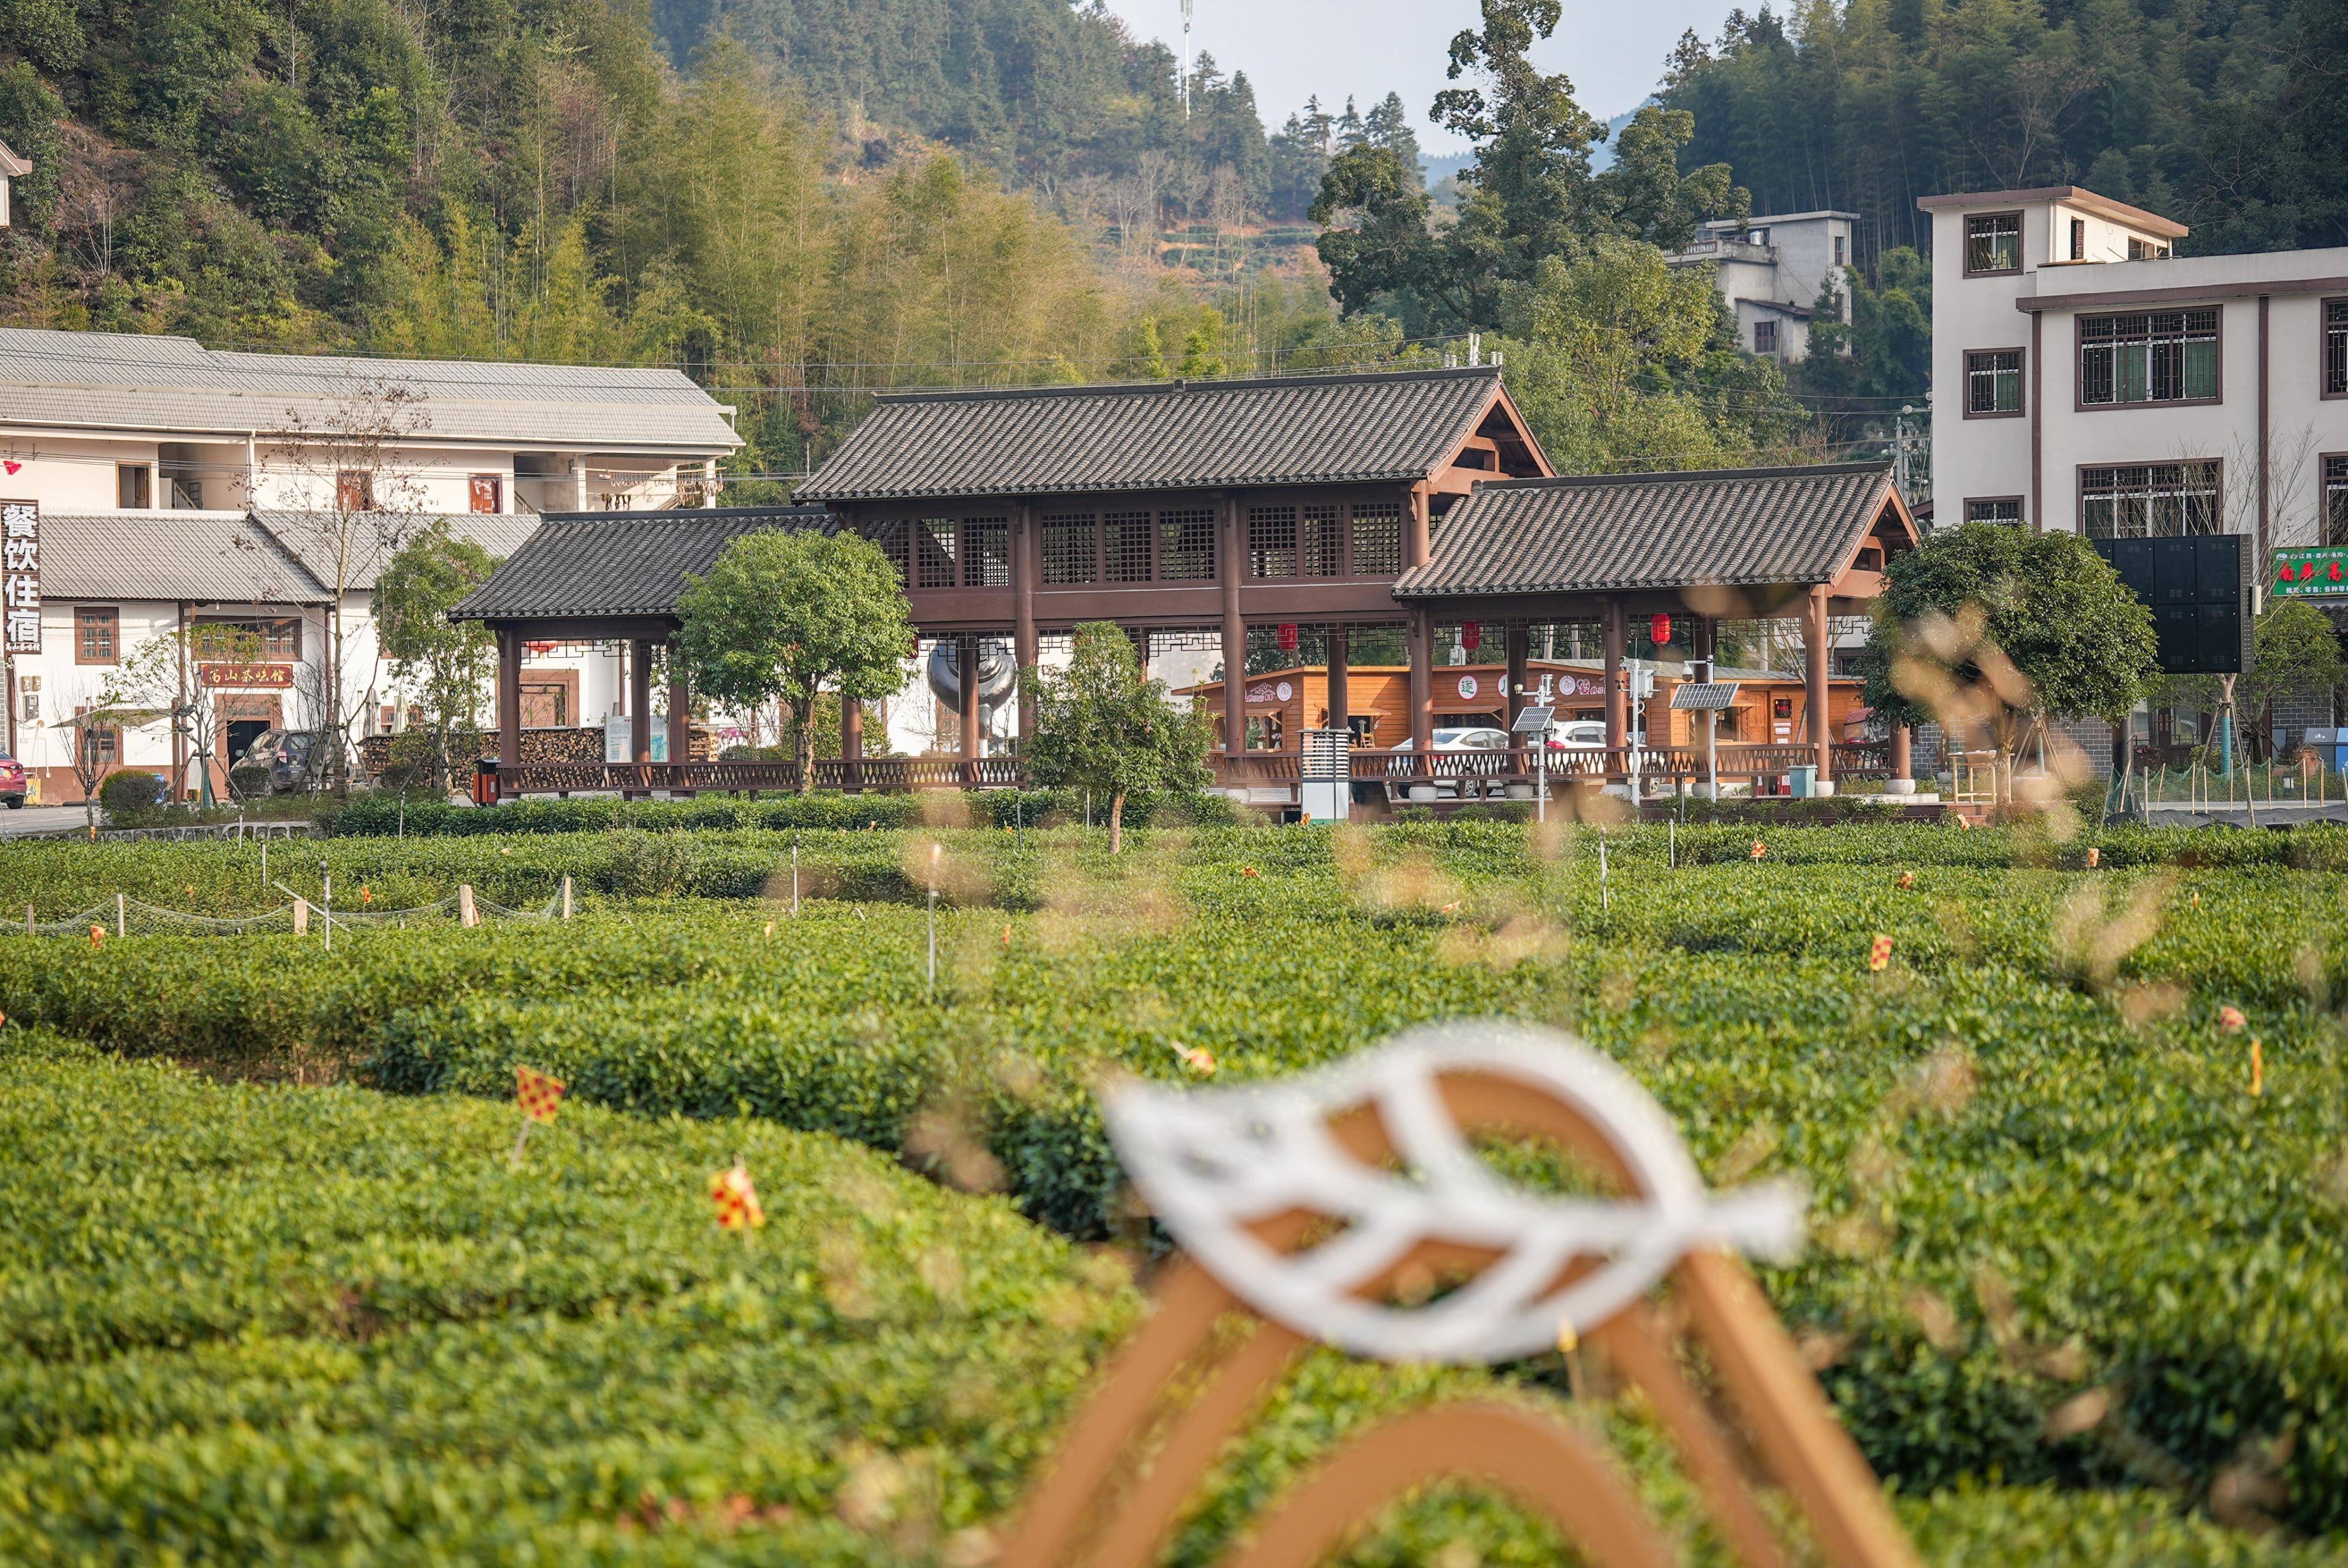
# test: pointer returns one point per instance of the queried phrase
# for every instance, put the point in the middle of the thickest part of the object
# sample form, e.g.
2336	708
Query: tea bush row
239	1325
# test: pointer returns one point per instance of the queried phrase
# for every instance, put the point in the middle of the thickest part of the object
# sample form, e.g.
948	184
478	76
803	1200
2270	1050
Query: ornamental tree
785	614
1103	724
1991	628
447	664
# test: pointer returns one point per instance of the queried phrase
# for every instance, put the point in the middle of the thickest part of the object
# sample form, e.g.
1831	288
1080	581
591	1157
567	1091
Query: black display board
2198	591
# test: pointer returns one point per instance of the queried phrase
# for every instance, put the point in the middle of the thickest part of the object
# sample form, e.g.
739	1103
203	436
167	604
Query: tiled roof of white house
317	539
224	557
175	386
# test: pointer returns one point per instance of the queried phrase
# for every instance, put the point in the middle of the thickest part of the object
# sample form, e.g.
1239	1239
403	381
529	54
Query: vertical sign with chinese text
20	574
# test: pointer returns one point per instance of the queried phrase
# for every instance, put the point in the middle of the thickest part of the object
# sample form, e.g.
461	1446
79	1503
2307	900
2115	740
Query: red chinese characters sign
277	676
20	574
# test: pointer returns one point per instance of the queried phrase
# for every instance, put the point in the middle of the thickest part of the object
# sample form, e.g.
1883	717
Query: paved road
30	820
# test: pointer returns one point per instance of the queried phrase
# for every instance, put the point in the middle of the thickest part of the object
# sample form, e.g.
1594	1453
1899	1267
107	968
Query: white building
178	485
11	168
1772	271
2085	379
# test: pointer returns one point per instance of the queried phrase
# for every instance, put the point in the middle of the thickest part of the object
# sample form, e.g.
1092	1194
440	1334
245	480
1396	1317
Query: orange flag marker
540	1097
1759	849
2258	1070
1878	953
97	935
1907	879
737	1201
2230	1019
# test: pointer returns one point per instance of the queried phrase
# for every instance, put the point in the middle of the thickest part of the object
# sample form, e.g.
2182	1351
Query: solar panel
1534	721
1703	697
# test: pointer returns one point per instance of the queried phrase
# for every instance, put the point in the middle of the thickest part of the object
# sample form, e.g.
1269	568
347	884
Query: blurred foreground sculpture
1349	1206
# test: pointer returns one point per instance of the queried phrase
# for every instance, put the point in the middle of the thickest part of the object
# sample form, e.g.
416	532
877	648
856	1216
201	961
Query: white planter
1899	786
1423	792
1521	791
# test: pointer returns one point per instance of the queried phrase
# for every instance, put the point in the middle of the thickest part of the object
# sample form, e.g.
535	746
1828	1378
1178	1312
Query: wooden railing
885	774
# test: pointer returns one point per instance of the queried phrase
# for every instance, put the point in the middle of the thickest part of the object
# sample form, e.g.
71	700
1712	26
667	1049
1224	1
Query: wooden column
1230	566
1418	527
1341	710
1023	641
1422	691
509	698
680	716
1814	676
851	742
974	741
1520	652
1617	700
640	701
1707	645
1903	750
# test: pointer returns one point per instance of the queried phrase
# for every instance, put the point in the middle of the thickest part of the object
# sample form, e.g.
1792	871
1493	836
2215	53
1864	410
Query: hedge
380	816
243	1325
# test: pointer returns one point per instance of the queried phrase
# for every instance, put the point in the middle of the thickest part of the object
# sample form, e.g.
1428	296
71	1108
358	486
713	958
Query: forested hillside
2228	115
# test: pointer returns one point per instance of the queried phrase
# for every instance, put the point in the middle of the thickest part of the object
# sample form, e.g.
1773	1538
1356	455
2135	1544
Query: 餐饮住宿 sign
2311	568
20	575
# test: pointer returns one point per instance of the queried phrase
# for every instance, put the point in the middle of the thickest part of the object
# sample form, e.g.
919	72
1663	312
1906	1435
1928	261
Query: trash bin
2325	742
485	781
1805	780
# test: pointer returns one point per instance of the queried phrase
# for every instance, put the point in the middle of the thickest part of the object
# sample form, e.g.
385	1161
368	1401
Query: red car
11	782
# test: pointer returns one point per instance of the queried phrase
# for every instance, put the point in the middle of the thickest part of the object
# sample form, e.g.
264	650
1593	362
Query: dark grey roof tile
592	564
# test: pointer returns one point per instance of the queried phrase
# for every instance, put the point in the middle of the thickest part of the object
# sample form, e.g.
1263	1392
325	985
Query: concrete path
30	822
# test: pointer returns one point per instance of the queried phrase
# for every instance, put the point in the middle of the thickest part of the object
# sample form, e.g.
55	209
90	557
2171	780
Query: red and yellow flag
737	1200
540	1095
1878	953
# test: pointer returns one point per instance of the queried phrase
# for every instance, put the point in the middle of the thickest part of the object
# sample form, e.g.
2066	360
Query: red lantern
1659	630
1288	636
1471	636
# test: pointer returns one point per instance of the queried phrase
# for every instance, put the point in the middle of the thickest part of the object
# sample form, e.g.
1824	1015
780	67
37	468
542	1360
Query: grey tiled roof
1737	527
202	557
589	564
317	538
175	385
1157	435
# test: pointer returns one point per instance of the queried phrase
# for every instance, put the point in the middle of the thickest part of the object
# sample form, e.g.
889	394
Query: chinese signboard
280	677
20	574
2311	568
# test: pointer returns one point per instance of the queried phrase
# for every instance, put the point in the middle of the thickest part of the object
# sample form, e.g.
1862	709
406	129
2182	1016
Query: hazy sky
1293	48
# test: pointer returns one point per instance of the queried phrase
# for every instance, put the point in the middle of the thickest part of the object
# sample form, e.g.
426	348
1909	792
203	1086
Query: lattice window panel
986	553
1272	541
889	535
1377	540
1321	543
1069	549
1186	545
1125	537
934	539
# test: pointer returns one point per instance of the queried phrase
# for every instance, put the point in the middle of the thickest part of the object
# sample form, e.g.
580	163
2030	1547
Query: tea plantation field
2077	1280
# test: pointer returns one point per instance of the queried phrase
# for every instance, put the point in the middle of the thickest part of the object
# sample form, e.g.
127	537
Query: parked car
289	755
1479	737
11	782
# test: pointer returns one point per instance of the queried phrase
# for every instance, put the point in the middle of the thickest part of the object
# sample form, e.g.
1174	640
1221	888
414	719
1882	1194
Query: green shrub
132	796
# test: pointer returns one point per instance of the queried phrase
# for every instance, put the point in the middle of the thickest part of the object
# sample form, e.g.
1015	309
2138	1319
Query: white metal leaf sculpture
1211	1162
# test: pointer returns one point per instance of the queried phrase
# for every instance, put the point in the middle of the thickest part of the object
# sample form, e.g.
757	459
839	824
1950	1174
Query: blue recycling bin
1805	779
2330	744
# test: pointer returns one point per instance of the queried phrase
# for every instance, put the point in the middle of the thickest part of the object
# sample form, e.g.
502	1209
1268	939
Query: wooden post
566	896
680	720
1707	650
1418	527
1024	644
1617	700
973	740
509	698
1903	763
851	742
640	701
301	917
1814	669
1232	567
1520	652
466	913
1422	692
1341	709
122	925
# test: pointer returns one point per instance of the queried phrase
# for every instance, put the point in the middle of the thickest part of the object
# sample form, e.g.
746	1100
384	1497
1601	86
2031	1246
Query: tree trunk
803	743
1116	824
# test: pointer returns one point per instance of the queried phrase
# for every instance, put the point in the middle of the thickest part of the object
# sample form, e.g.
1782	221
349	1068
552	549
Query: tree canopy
443	666
784	615
1103	724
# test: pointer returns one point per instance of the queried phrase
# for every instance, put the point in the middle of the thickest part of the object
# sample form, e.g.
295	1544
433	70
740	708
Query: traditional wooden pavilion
1191	510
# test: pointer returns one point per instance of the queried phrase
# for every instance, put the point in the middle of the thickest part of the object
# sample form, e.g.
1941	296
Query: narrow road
31	819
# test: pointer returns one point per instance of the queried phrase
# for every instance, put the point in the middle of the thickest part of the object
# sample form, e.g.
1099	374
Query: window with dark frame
2145	250
1838	261
986	553
134	487
1125	537
2149	356
1994	509
934	540
1993	381
486	492
1186	545
1994	242
1265	732
889	535
2078	239
1764	337
101	744
97	634
2335	348
1321	544
281	635
1070	548
1272	541
1377	539
2150	501
2336	500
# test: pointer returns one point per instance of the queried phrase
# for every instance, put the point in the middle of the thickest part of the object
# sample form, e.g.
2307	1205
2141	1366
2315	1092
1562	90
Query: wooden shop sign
279	677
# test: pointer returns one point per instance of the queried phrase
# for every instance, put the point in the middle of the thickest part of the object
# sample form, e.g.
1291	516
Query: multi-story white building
2084	378
1772	272
178	485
